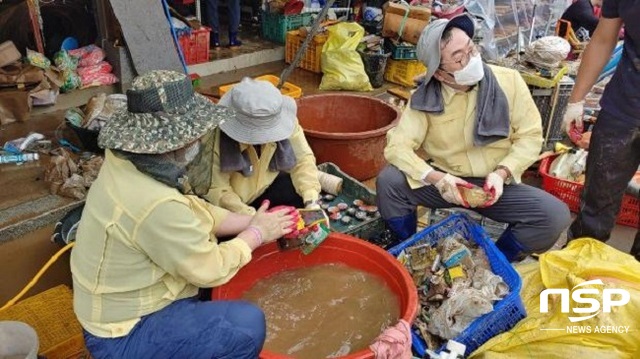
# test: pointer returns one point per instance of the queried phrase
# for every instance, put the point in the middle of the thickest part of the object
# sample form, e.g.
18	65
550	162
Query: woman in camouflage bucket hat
145	244
163	114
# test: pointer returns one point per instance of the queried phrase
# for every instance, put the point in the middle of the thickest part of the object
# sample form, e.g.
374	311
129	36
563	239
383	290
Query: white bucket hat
262	115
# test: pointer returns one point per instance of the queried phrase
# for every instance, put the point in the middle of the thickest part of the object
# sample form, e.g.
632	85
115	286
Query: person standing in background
614	151
211	10
582	15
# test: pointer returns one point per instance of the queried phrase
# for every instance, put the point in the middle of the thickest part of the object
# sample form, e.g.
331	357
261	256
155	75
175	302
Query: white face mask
470	74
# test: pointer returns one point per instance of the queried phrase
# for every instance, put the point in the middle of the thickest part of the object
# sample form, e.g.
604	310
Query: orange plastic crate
402	72
570	192
287	89
311	59
195	46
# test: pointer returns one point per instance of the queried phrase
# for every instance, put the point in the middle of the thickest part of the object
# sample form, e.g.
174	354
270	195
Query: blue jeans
211	10
189	329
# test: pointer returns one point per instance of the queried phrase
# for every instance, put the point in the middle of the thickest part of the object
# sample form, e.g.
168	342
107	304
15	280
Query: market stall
450	289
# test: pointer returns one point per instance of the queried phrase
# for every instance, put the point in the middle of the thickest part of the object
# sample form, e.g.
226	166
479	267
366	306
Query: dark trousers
281	192
189	328
536	218
213	19
614	156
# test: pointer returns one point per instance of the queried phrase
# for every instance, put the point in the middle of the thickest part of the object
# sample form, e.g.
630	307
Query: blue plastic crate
506	312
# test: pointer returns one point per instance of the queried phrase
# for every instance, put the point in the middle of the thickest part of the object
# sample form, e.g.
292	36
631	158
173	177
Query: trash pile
24	84
35	81
69	178
455	285
98	110
371	44
571	165
436	215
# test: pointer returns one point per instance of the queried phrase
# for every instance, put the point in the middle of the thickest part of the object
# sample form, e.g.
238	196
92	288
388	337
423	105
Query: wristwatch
509	178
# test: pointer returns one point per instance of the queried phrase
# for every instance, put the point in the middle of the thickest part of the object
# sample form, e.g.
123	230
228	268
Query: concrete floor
252	42
306	80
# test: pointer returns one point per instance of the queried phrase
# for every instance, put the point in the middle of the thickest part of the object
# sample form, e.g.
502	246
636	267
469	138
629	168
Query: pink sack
101	68
89	55
98	79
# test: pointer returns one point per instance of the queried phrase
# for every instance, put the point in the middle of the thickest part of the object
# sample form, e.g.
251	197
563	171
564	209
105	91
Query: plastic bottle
19	158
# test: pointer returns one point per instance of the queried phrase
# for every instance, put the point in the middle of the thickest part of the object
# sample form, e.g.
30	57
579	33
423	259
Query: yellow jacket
142	245
447	139
234	191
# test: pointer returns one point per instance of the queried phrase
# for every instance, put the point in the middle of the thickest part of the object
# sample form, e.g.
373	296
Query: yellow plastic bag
552	334
341	64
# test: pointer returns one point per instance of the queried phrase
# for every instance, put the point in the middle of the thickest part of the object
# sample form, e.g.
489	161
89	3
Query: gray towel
492	108
232	160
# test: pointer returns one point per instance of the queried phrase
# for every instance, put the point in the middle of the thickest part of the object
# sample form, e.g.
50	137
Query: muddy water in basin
323	311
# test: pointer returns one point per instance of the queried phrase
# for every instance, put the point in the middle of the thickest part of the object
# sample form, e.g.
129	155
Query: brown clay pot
348	130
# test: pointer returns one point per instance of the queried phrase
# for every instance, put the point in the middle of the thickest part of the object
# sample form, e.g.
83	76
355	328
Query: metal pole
314	29
533	23
198	9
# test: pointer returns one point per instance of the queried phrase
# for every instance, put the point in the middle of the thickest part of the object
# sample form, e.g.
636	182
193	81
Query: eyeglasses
462	59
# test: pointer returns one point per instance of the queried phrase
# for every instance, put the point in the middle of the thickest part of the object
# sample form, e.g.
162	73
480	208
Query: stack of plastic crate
403	65
551	103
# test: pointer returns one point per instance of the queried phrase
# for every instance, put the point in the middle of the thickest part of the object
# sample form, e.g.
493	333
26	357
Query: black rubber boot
510	247
403	227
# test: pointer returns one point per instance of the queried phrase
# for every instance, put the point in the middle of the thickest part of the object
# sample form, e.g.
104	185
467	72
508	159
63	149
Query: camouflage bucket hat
163	114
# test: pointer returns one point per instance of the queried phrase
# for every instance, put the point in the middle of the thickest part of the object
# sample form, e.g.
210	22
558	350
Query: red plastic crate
570	192
195	47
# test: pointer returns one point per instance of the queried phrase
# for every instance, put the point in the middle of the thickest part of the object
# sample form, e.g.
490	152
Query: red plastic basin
338	248
348	130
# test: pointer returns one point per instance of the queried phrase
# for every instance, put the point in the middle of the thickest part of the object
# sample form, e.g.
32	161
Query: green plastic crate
399	51
369	229
276	26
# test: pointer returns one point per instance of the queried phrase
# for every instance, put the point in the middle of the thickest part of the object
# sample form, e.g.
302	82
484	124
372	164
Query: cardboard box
8	53
417	19
15	105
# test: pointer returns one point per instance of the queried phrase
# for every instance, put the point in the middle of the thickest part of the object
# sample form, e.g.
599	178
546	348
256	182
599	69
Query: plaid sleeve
610	9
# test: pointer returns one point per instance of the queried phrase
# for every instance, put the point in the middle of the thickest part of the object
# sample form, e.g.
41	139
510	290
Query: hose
37	276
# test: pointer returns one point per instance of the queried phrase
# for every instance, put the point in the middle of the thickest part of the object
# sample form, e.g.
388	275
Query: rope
404	18
37	276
